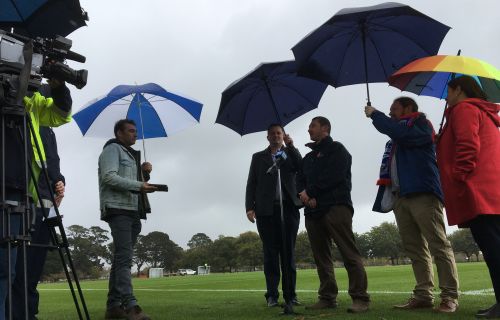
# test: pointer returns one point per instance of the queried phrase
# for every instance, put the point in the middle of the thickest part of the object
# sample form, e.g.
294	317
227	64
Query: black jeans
269	228
486	232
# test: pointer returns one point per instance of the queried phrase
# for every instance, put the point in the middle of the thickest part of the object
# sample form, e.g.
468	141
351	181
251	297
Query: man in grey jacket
122	189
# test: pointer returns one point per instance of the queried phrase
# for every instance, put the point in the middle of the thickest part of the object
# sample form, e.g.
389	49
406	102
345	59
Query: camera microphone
71	55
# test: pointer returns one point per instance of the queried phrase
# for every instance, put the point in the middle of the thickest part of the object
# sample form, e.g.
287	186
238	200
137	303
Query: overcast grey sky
198	47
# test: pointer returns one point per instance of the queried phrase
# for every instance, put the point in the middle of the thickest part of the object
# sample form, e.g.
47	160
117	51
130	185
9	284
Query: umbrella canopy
42	18
367	44
157	112
271	93
429	76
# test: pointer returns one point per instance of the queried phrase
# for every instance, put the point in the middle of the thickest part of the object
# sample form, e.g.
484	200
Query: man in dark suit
263	205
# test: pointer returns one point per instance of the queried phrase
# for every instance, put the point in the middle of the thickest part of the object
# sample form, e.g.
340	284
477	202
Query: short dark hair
272	125
407	102
120	125
323	122
469	86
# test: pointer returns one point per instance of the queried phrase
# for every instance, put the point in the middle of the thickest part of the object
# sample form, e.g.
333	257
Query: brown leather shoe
414	303
115	313
447	306
358	306
323	304
135	313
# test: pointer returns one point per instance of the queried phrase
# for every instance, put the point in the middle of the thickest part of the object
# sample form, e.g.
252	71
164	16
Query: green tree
222	257
363	244
249	248
199	240
159	251
462	241
303	252
88	249
385	242
140	254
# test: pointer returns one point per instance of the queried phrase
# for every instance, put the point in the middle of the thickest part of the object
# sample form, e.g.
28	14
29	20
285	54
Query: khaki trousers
336	225
421	225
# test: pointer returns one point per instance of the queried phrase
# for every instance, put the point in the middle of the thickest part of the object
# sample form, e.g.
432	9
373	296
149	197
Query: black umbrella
271	93
367	44
42	18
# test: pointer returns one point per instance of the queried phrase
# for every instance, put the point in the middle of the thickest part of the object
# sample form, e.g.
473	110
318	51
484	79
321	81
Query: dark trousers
35	261
269	228
336	225
486	232
15	223
124	230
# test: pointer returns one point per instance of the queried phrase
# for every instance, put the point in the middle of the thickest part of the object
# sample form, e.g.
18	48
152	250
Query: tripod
15	117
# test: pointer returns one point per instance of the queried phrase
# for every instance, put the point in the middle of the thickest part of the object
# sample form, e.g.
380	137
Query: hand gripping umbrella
367	44
156	111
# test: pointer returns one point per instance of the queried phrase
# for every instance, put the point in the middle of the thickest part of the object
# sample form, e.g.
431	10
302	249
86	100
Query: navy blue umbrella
272	93
367	44
42	18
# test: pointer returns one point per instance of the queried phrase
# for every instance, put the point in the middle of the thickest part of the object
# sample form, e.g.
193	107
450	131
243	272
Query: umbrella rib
353	37
293	89
246	111
402	34
379	58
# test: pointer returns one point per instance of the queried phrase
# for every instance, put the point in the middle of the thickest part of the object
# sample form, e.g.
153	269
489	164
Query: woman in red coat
468	155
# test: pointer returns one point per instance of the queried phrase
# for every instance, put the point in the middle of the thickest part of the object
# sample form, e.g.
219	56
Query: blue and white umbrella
157	112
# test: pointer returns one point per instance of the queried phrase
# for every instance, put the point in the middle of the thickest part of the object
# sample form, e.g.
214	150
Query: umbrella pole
446	105
363	38
142	131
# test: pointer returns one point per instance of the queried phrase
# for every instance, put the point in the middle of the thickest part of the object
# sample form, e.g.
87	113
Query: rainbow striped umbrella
429	76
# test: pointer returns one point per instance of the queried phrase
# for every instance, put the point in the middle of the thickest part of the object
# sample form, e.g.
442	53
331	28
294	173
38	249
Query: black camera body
48	59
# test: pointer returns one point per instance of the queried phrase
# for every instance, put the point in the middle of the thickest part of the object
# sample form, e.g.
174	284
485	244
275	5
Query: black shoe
296	302
272	302
485	310
491	313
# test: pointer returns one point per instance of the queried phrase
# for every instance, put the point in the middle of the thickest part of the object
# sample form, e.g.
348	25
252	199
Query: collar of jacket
321	144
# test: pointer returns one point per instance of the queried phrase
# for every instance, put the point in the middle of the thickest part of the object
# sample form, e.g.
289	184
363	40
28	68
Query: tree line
91	250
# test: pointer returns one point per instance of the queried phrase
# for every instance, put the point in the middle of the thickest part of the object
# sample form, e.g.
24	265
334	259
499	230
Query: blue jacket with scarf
415	155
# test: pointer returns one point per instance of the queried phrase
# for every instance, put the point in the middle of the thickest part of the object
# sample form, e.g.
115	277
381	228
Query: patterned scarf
390	149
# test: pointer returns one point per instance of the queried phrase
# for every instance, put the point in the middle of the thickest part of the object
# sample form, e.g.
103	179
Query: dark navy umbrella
42	18
272	93
367	44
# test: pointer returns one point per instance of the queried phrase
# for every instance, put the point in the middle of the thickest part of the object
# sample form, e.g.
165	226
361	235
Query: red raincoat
468	155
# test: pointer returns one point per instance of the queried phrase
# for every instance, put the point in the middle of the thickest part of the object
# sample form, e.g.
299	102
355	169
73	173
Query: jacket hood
490	108
110	141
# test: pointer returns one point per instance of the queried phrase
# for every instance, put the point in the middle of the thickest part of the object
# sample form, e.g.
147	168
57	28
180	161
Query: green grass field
240	296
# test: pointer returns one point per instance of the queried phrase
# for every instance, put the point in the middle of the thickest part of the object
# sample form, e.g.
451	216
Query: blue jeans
35	260
15	225
124	230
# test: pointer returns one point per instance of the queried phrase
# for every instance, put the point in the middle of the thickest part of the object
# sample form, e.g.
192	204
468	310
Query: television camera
48	58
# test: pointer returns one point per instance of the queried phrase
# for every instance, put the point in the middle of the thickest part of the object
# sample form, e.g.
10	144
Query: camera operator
43	111
40	233
122	194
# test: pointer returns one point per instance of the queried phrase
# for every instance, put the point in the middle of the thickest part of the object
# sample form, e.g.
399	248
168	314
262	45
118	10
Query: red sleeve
465	122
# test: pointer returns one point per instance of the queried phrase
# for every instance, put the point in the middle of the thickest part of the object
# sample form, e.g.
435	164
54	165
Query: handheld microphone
279	158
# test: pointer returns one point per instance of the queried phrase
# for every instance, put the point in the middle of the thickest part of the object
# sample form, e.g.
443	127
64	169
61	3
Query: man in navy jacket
409	185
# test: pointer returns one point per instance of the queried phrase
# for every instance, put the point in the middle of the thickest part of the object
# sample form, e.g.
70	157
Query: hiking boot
115	313
447	306
272	302
323	304
135	313
358	306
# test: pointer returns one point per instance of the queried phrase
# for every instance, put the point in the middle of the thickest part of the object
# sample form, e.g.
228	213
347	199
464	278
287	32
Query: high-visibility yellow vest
43	112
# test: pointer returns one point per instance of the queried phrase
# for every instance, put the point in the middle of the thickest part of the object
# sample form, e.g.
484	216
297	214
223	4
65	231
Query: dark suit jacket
261	186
